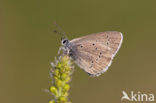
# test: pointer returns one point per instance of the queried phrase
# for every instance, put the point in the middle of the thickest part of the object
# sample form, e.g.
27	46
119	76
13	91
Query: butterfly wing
94	52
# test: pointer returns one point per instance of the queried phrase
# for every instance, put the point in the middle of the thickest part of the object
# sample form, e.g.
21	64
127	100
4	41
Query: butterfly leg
59	51
65	51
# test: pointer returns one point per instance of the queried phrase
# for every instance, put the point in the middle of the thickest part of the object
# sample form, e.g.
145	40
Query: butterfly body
94	52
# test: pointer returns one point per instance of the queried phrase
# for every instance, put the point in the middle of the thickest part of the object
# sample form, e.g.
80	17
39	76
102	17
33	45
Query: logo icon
125	96
138	96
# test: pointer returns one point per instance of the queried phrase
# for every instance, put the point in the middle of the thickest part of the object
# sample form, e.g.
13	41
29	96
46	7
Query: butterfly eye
65	41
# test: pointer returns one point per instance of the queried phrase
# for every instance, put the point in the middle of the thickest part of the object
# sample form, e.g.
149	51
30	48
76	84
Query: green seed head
64	76
66	87
62	99
56	72
59	65
67	79
53	90
61	77
51	101
59	83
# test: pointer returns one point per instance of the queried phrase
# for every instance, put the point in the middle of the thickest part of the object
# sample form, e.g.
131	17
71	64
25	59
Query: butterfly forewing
94	53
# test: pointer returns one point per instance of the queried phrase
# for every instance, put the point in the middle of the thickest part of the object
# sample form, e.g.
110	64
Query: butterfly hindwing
94	53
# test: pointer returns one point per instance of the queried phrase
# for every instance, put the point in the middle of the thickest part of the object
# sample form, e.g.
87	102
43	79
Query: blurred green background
28	45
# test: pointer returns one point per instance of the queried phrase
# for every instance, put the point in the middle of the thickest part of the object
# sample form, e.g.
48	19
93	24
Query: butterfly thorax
68	48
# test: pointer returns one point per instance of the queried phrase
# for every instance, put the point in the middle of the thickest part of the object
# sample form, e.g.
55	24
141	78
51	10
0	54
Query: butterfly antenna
61	31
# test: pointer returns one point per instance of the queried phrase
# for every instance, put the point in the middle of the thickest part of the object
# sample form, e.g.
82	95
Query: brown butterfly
93	53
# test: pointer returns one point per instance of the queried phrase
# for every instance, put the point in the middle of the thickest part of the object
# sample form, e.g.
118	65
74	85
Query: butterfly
93	53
